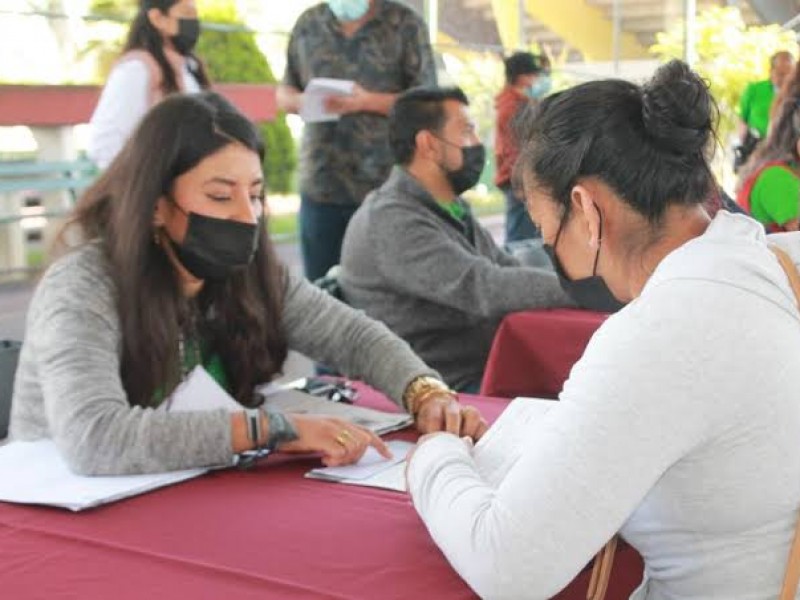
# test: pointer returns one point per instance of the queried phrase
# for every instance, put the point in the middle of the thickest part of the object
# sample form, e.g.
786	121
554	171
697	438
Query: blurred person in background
527	81
157	60
756	106
770	181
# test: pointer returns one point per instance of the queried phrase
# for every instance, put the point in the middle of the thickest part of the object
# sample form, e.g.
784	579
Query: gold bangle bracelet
420	389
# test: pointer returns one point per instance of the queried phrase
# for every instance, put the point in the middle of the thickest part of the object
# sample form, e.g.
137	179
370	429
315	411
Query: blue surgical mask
541	87
348	10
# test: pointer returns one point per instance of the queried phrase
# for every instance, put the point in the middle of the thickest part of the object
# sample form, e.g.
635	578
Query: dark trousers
322	228
518	224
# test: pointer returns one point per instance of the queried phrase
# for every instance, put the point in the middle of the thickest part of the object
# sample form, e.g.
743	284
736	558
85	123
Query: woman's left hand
442	412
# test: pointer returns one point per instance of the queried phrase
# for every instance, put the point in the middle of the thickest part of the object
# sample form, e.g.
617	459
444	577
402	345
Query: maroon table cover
259	534
533	351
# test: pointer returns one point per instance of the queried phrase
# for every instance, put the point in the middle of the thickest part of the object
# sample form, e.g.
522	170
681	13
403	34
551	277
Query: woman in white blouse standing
158	60
680	425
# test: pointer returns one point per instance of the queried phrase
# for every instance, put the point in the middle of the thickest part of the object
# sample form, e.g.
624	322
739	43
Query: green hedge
234	57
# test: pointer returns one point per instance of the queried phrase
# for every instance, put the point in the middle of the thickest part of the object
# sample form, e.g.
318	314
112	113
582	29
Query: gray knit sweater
441	284
68	385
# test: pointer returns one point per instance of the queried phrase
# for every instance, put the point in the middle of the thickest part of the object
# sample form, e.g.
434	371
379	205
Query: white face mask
348	10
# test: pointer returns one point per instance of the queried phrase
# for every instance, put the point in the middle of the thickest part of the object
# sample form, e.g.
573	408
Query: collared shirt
755	104
342	161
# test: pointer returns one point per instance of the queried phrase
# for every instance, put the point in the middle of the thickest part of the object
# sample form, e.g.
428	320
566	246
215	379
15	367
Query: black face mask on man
188	34
589	293
214	248
466	177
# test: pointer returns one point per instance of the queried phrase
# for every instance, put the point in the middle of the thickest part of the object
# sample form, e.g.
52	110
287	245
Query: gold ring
342	437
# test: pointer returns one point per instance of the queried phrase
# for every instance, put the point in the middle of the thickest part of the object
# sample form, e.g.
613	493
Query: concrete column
689	32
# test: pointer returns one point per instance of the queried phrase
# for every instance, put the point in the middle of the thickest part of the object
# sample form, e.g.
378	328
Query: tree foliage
730	55
232	56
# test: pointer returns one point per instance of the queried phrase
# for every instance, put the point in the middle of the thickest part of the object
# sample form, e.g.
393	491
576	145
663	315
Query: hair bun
677	109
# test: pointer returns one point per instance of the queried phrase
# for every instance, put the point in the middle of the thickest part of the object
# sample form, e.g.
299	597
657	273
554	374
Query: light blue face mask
541	87
348	10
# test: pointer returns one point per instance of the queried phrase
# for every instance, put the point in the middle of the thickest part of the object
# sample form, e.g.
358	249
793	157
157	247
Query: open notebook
36	473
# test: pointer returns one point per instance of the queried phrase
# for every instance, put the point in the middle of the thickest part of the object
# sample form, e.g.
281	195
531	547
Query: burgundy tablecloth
261	534
533	351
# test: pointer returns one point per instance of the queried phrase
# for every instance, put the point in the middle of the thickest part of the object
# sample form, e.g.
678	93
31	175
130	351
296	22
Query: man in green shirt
758	96
416	258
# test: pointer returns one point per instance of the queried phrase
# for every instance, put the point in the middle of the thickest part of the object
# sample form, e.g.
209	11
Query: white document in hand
501	446
36	473
318	89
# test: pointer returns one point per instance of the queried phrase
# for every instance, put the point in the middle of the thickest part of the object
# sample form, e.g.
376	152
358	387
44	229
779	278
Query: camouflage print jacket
342	161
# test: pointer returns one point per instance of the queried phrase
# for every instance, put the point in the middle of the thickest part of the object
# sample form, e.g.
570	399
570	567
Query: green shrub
234	57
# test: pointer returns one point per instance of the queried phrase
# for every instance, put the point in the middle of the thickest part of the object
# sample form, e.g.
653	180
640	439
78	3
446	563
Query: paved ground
14	300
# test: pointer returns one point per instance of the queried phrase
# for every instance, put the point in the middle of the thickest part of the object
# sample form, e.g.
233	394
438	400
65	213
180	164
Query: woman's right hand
340	442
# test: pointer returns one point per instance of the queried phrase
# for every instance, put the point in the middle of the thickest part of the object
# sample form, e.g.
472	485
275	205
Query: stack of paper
35	473
317	91
295	402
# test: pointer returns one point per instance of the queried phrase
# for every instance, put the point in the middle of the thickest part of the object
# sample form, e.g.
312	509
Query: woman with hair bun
679	426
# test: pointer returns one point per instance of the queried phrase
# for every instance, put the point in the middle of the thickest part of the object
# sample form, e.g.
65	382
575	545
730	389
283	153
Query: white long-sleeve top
125	99
679	426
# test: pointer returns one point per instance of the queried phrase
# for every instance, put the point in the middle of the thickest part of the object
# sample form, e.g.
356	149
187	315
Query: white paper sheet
393	478
199	391
501	446
318	89
36	473
372	470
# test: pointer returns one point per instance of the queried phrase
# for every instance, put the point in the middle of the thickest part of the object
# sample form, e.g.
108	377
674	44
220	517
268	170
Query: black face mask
474	159
589	293
213	248
188	34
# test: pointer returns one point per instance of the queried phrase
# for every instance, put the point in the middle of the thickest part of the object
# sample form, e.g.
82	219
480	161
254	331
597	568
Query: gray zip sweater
68	386
441	284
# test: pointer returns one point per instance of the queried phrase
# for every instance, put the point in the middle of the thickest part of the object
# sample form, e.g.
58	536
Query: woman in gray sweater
175	270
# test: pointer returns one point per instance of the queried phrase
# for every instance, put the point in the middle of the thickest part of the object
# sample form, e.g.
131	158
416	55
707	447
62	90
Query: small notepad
316	92
372	470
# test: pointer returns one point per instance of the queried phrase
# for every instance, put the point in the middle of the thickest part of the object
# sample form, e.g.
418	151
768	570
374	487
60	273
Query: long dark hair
237	318
143	36
651	144
781	142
